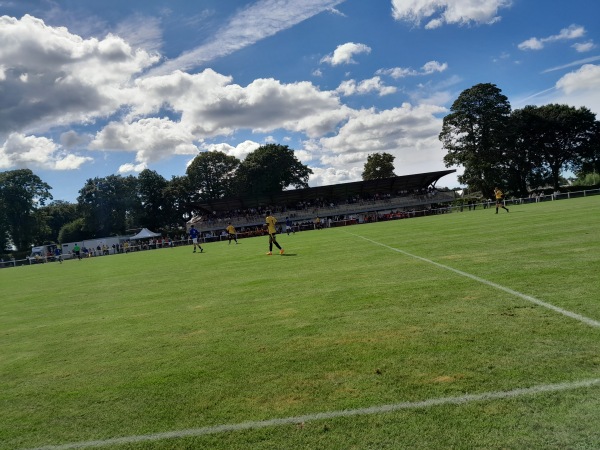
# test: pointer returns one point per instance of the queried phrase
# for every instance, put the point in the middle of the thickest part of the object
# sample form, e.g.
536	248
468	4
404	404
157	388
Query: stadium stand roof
333	192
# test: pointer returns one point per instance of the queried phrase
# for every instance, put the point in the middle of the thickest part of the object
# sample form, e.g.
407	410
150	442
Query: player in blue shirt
195	236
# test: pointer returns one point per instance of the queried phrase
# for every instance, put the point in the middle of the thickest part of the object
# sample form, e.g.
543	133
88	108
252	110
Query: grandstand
400	193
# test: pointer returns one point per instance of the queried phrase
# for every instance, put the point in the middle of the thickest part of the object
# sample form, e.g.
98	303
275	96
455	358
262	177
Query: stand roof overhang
333	192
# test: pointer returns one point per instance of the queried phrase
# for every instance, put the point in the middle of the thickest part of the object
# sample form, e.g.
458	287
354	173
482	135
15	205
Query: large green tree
21	194
212	174
178	200
566	138
475	135
379	165
270	169
153	213
55	215
108	204
521	163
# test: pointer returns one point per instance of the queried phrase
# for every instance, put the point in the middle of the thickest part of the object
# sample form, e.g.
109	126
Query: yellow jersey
270	222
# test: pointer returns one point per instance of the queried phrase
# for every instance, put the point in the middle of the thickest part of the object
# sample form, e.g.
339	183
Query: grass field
466	330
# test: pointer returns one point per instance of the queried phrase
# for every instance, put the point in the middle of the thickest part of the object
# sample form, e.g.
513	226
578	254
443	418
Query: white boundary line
460	400
564	312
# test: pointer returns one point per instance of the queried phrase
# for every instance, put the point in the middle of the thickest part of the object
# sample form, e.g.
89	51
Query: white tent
145	233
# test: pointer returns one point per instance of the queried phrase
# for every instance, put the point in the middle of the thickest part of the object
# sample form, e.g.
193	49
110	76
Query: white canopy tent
145	233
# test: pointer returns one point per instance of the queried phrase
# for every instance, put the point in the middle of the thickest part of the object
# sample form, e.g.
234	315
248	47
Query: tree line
116	204
519	150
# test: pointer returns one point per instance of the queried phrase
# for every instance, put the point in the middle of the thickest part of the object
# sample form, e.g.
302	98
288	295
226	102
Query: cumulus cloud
344	54
440	12
132	168
23	151
330	175
351	87
151	139
580	88
52	77
240	151
211	105
586	79
582	47
428	68
569	33
410	133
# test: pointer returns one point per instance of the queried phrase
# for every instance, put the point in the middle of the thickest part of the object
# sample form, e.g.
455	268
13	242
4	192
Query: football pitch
463	330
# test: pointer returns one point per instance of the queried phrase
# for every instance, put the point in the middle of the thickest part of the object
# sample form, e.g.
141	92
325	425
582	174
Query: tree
178	198
108	204
521	163
270	169
379	165
475	135
566	138
21	193
56	215
212	174
73	231
151	193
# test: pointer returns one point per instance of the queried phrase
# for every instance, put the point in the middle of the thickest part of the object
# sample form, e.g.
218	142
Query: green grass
168	340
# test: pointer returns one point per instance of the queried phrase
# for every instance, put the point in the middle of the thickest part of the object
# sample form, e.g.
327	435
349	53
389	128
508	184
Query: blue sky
90	89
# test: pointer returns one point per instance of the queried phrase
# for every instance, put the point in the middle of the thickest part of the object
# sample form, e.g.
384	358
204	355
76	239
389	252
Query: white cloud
573	64
580	88
151	139
210	105
261	19
428	68
24	151
344	54
132	168
351	87
53	77
330	175
240	151
586	79
569	33
582	47
410	133
390	130
141	31
440	12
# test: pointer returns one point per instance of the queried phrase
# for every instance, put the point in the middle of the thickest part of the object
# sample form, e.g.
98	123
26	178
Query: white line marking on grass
579	317
469	398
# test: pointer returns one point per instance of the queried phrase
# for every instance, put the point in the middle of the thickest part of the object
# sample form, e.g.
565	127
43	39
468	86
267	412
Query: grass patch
168	340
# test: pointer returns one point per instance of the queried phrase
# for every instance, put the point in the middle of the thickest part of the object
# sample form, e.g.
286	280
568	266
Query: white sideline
572	315
468	398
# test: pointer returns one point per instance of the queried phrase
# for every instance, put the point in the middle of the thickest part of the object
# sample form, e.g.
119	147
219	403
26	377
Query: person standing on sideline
231	233
499	204
58	255
77	251
270	222
195	236
289	226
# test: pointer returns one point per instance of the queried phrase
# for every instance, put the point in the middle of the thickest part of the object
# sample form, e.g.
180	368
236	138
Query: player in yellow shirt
231	233
499	195
270	223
